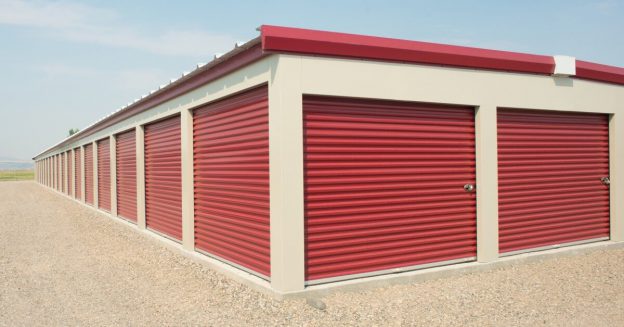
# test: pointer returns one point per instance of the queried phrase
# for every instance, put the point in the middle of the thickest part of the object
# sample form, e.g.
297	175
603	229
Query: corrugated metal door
126	175
384	186
61	173
231	163
56	172
104	182
550	170
88	155
78	175
70	185
163	177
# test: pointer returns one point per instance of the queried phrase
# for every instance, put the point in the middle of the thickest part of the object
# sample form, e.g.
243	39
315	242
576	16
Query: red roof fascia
296	40
599	72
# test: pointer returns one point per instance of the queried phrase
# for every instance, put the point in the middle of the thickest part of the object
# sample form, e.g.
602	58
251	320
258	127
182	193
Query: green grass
16	175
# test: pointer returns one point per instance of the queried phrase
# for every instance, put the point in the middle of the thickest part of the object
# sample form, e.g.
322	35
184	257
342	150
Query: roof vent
564	66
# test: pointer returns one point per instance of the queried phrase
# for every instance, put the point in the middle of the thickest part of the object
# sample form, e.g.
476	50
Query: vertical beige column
188	216
140	176
113	174
96	199
616	163
286	175
83	182
487	183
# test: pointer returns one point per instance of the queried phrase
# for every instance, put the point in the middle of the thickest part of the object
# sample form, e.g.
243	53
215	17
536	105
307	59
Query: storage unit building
306	157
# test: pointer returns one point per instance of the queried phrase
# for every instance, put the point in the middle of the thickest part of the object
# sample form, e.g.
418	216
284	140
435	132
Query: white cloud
49	14
87	24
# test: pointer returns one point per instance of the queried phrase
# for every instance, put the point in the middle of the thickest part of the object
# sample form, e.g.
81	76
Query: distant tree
73	131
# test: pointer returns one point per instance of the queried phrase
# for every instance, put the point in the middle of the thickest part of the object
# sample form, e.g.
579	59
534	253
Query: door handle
469	188
605	180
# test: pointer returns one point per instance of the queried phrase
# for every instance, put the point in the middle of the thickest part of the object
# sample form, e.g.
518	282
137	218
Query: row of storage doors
392	184
231	178
387	184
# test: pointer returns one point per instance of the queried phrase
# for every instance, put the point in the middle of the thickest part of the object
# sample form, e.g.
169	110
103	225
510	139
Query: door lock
605	180
469	188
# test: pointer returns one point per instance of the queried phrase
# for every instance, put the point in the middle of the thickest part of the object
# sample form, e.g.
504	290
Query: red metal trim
286	39
599	72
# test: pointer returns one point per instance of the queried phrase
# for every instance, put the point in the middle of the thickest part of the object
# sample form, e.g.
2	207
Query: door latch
605	180
469	188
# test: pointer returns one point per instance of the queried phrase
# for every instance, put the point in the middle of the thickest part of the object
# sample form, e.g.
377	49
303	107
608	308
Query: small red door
61	173
104	182
126	175
88	155
231	161
549	176
70	185
163	177
78	175
384	185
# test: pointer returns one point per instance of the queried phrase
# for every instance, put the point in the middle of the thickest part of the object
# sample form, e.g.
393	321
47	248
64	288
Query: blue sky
65	64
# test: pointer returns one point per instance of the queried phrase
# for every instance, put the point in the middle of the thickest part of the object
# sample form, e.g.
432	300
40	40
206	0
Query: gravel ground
64	264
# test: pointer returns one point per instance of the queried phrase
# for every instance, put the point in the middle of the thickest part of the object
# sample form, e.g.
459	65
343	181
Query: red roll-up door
78	175
88	155
70	185
104	182
126	175
163	177
231	164
61	173
550	170
384	185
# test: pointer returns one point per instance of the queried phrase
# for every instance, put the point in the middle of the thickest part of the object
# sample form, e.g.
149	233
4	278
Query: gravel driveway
64	264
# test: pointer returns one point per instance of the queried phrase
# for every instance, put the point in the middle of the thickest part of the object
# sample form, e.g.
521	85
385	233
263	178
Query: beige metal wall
484	90
290	77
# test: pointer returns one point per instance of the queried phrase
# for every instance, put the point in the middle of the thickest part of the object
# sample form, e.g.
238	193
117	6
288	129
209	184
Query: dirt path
64	264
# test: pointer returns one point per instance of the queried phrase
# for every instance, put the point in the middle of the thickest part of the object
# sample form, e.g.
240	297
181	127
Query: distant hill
15	164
